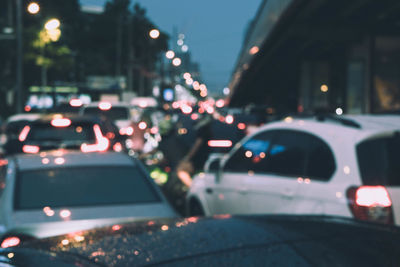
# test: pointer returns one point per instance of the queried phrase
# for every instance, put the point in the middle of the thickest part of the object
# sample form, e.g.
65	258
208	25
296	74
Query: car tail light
60	122
10	241
105	105
241	126
101	144
24	133
75	102
30	149
371	203
126	131
220	143
117	147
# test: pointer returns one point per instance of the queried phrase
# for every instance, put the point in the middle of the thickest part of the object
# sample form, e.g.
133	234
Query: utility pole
19	71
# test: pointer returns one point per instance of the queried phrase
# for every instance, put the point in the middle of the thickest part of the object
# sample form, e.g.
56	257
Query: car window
321	162
252	154
113	114
74	132
378	160
83	186
288	154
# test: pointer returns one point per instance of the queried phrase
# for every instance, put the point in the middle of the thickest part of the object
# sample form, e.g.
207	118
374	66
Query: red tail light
101	145
30	149
371	203
11	241
24	133
220	143
60	122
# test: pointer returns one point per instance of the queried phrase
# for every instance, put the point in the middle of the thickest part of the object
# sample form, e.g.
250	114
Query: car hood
264	240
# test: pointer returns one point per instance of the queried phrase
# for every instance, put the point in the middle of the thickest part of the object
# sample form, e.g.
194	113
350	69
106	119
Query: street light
33	8
176	62
170	54
154	33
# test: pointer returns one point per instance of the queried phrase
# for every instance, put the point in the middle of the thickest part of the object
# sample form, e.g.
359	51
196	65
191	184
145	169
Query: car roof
113	104
67	158
240	240
73	117
356	127
24	116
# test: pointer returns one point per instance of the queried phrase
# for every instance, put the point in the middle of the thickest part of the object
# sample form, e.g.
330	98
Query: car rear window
113	114
83	186
74	132
378	160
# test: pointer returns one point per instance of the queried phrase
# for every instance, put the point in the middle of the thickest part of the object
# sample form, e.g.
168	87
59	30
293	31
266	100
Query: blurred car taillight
10	241
30	149
370	203
126	131
219	143
60	122
101	144
24	133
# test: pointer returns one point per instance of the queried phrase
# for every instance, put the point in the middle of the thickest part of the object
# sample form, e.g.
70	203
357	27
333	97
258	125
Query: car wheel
195	208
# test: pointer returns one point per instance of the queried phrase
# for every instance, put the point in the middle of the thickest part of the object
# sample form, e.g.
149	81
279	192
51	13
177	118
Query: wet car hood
242	240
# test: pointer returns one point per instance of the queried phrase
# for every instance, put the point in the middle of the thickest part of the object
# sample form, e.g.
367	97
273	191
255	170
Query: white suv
345	166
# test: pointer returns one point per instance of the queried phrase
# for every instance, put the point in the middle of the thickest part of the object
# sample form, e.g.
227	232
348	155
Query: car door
273	186
231	189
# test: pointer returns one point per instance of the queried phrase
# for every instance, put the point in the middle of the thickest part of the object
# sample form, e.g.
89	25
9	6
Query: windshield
82	187
79	132
113	114
378	160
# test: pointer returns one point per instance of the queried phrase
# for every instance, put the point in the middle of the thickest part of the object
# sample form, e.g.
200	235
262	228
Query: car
57	192
118	113
344	166
11	129
57	131
221	240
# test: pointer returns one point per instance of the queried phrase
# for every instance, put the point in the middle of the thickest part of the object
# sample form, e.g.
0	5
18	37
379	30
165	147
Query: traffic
123	144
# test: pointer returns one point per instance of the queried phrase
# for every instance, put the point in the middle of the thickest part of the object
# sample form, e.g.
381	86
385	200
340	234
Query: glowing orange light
220	143
116	227
45	161
142	125
11	241
369	196
187	75
105	106
262	155
76	103
241	126
229	119
3	162
65	242
27	108
24	133
254	50
164	227
194	116
65	214
30	149
210	110
64	122
248	154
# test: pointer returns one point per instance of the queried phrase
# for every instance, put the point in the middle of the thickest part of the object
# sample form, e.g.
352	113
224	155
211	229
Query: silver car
57	192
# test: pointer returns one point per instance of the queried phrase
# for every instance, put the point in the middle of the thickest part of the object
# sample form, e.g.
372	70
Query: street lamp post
19	70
